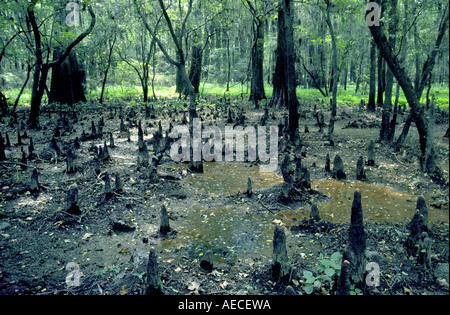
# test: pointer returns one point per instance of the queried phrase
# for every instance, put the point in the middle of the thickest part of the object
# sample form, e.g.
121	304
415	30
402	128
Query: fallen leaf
223	285
216	273
193	286
124	290
87	236
278	222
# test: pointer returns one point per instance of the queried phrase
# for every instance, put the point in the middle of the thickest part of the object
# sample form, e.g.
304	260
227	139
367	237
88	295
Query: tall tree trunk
257	92
380	81
66	85
358	77
195	72
67	78
284	80
290	74
387	105
371	104
105	76
335	72
279	78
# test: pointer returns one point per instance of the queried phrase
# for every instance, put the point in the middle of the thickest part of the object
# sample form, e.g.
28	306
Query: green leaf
329	272
307	274
308	288
326	262
317	284
337	266
336	256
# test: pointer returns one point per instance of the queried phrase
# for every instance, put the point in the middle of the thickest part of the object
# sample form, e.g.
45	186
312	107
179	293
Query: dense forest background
225	47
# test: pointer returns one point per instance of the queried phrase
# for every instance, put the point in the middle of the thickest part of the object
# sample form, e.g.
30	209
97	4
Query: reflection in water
238	230
379	202
228	178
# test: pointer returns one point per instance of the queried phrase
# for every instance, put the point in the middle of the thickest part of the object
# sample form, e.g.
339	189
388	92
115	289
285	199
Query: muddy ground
38	239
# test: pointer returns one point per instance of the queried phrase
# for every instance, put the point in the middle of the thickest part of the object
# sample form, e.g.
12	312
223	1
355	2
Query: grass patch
127	93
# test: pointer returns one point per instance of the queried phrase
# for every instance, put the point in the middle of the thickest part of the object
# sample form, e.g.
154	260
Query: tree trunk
371	104
105	77
387	105
257	92
289	67
195	72
67	78
279	80
335	73
66	81
37	92
380	81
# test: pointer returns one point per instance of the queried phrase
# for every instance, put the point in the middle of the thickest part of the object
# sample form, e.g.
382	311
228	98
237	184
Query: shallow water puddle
229	231
244	230
379	203
229	178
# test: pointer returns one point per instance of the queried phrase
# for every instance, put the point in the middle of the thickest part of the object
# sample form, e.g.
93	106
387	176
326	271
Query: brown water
228	178
238	230
380	203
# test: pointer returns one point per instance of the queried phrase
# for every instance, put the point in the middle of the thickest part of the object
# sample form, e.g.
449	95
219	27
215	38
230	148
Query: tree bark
279	79
335	72
387	105
105	76
257	92
66	85
371	104
286	64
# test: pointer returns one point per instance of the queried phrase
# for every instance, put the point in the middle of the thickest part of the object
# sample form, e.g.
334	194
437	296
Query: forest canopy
227	45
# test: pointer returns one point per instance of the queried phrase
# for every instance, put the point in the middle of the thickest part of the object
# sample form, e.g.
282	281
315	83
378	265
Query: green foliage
323	274
354	290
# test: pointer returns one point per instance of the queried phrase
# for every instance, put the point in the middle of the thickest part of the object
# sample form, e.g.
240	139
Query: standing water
237	228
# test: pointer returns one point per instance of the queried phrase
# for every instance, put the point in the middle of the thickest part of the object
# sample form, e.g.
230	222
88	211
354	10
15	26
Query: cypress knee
328	163
280	263
34	182
371	154
249	191
357	241
154	284
360	173
108	191
70	167
2	149
164	226
72	201
207	261
314	215
338	168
